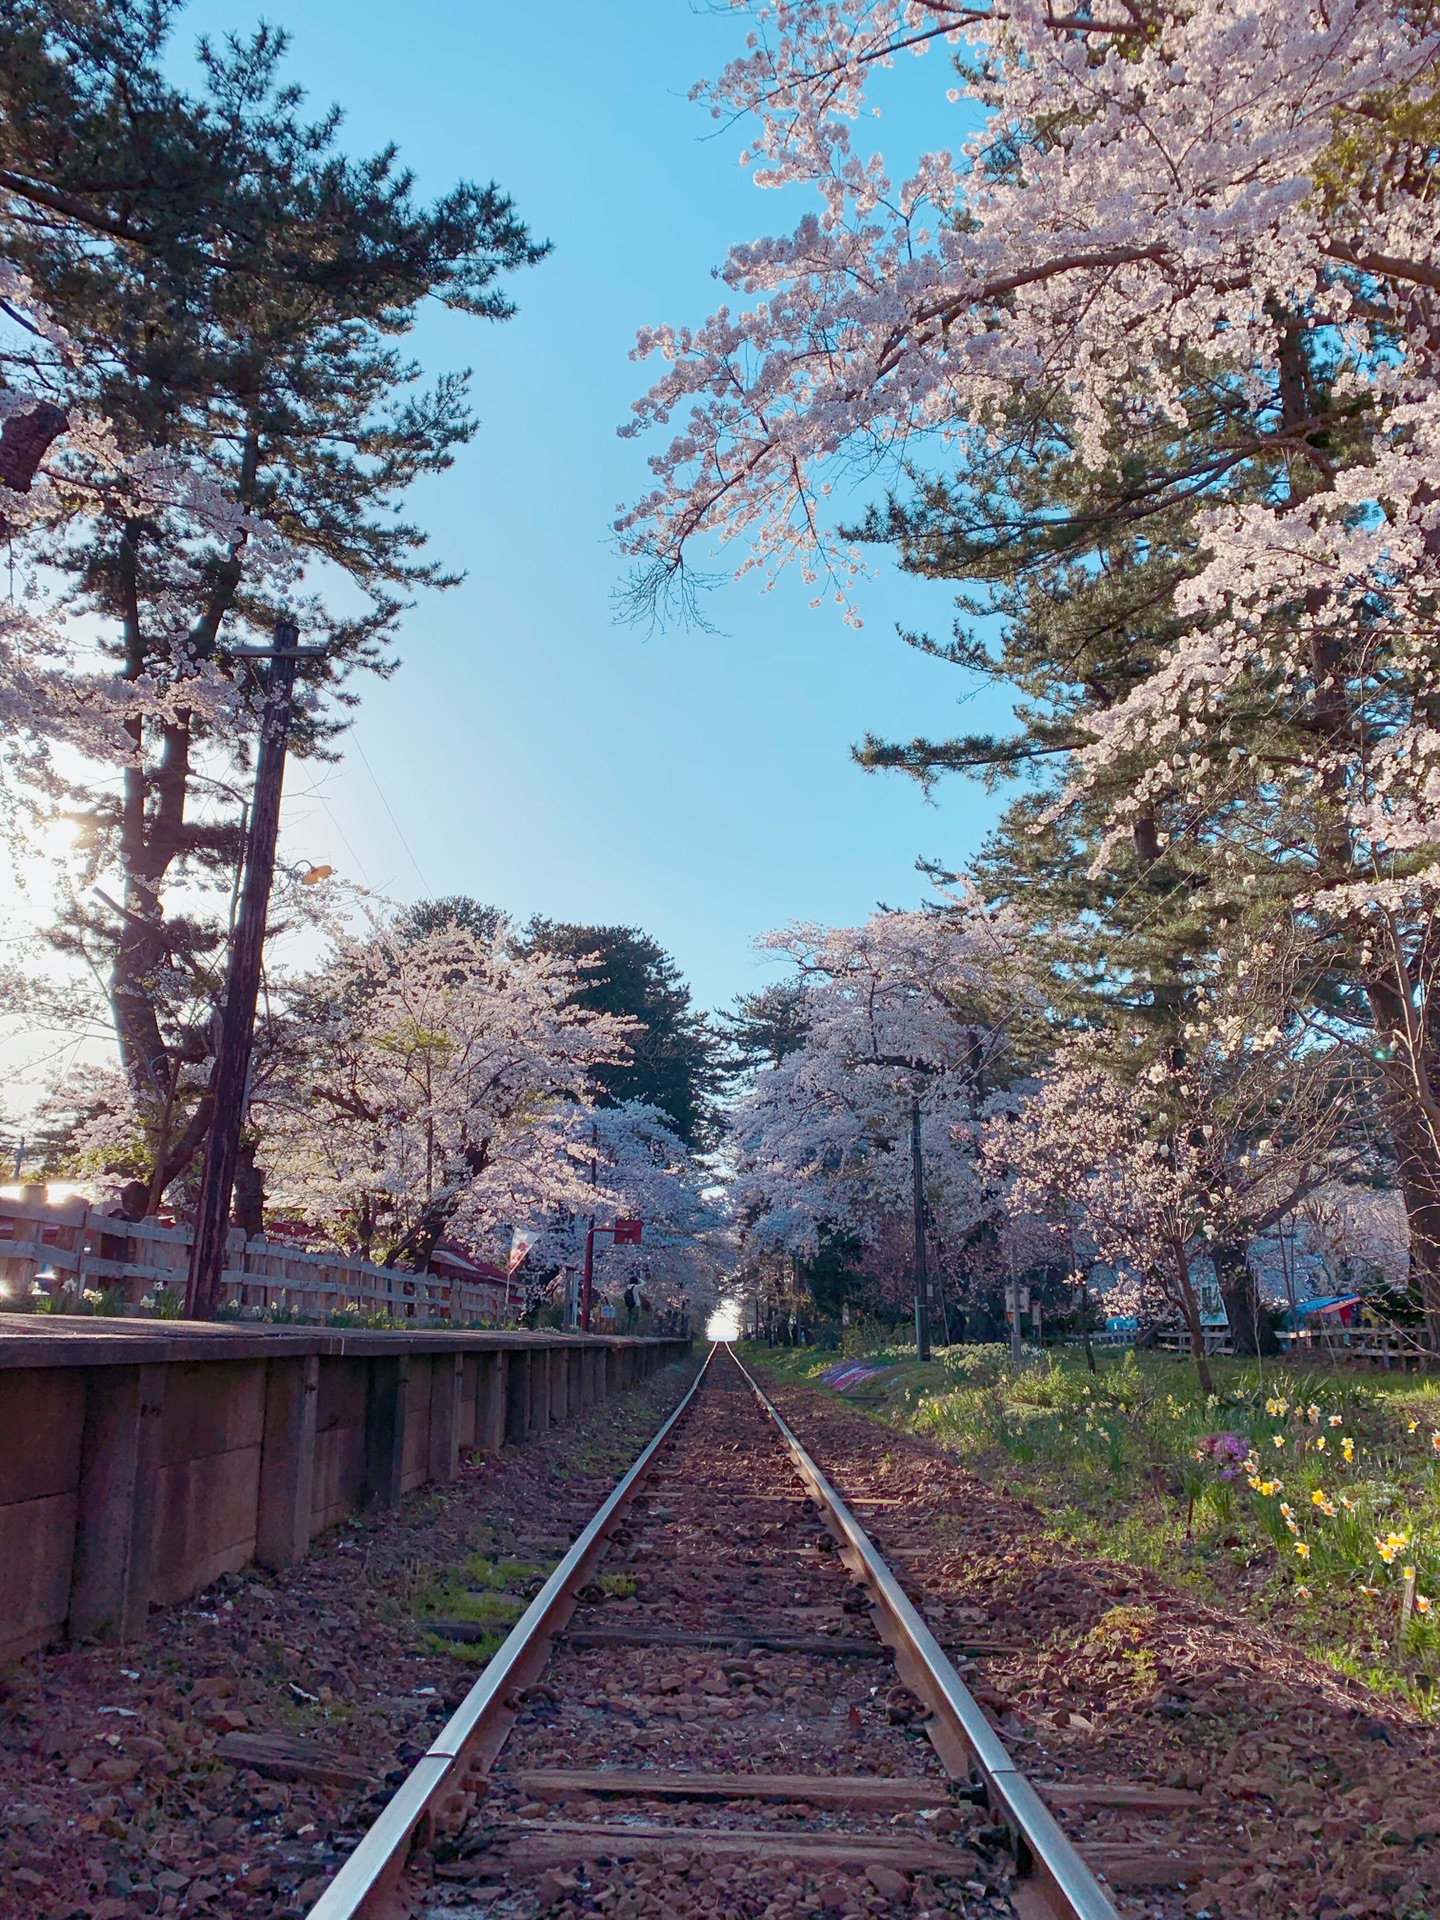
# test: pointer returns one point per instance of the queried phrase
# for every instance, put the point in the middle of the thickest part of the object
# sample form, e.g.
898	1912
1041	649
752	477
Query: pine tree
764	1027
236	286
673	1064
1138	908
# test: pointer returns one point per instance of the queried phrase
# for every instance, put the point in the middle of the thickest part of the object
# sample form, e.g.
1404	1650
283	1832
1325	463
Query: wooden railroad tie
825	1790
553	1842
528	1845
732	1637
279	1757
819	1791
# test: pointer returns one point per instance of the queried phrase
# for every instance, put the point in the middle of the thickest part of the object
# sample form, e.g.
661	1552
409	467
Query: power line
390	810
317	792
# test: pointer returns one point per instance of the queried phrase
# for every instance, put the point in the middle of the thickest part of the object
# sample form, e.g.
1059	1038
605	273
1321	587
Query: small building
474	1289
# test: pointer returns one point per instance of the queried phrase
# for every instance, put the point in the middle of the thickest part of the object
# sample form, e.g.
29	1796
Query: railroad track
722	1701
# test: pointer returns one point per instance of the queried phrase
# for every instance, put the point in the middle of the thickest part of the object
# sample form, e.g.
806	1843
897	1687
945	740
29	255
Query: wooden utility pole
230	1076
922	1278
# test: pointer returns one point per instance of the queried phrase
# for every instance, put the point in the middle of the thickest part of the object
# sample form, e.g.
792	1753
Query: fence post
287	1461
517	1397
447	1382
386	1396
115	1507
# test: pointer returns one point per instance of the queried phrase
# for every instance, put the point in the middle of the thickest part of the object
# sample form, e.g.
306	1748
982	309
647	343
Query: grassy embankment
1295	1497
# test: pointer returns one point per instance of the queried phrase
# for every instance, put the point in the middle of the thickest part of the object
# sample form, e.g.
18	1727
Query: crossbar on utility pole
922	1278
231	1072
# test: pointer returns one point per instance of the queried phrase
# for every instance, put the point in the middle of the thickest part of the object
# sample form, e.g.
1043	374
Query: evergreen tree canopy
673	1065
424	917
765	1026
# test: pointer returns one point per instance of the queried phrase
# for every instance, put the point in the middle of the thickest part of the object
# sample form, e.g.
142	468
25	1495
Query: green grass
1117	1462
479	1590
477	1652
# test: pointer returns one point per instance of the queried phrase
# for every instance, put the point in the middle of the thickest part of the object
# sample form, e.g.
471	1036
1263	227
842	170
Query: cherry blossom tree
1158	1159
1356	1229
58	456
909	1007
418	1068
440	1079
588	1162
1143	186
1207	234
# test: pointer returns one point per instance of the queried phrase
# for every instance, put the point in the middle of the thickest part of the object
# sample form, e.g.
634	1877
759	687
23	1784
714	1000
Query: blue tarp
1323	1303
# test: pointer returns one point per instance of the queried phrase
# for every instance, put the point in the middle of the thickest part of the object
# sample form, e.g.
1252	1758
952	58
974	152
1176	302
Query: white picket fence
69	1248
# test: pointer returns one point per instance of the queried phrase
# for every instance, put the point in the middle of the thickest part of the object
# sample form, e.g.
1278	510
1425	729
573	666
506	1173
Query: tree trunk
247	1201
1085	1323
1190	1308
1250	1326
1409	1074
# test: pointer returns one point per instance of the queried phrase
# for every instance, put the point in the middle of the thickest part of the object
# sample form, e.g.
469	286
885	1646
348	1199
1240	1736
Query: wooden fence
69	1249
1386	1346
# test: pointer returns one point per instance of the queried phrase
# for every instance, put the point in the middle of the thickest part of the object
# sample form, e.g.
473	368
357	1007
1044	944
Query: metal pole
237	1027
587	1288
922	1280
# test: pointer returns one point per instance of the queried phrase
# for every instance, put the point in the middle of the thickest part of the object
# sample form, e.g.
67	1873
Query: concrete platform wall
137	1465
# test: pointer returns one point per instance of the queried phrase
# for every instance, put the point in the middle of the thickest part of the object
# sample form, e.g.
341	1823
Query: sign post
624	1233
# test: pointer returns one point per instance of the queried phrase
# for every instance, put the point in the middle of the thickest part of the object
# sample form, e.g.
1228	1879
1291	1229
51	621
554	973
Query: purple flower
1227	1453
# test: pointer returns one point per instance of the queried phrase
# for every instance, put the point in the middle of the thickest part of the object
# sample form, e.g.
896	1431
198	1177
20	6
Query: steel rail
435	1794
963	1738
364	1888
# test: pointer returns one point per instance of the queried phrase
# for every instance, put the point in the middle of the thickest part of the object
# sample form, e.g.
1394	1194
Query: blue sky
531	751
